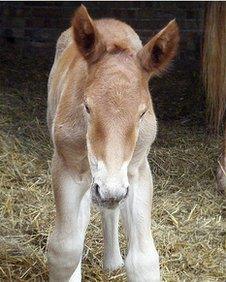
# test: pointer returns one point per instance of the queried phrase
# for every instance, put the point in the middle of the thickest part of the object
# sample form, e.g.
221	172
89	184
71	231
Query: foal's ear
156	55
86	35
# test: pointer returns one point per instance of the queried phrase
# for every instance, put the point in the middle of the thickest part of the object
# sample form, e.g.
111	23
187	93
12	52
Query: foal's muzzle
107	198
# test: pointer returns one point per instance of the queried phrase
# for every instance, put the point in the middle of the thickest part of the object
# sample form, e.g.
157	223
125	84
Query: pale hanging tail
214	75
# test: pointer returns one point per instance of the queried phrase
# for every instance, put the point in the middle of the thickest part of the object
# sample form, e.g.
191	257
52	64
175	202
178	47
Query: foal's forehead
116	94
115	82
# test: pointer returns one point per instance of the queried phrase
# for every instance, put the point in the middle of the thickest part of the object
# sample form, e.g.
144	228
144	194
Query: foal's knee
63	258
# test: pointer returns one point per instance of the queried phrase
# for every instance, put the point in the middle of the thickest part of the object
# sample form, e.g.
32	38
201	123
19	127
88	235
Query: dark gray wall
35	26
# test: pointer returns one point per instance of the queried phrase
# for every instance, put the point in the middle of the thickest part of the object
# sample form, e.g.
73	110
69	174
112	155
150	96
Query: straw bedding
187	220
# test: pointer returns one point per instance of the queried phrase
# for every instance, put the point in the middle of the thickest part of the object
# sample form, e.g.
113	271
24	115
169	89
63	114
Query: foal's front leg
112	256
65	245
142	262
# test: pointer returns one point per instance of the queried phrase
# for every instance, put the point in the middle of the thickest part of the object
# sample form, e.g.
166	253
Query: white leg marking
142	262
65	245
83	220
112	257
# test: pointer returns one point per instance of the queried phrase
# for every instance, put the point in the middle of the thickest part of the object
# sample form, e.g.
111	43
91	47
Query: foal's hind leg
112	256
65	245
142	262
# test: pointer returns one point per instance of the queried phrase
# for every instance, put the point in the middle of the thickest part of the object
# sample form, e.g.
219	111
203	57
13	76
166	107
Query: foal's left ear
86	35
156	55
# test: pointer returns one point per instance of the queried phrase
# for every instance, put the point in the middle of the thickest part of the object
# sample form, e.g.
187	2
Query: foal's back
114	32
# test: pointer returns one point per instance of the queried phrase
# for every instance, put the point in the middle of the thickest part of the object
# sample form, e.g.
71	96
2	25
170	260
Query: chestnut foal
102	123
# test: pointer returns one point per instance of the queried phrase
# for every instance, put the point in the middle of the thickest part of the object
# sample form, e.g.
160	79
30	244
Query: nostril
97	189
124	196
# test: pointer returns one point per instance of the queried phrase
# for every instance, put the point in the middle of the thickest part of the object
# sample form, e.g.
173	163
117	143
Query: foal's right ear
86	36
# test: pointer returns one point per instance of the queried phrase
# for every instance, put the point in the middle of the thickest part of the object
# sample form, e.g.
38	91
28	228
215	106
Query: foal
102	123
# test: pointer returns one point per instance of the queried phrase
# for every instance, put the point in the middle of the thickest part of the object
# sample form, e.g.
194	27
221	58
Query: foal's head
116	100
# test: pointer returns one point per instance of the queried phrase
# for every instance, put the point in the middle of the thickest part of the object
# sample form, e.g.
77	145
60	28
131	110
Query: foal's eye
87	109
142	114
